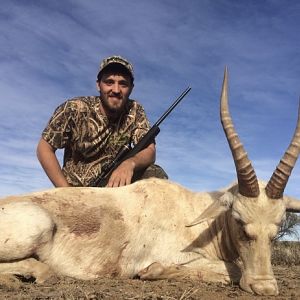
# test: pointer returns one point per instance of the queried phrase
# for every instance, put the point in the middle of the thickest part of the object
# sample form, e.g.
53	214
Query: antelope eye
243	234
240	222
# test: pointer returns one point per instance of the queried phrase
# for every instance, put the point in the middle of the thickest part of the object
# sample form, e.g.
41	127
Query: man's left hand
123	174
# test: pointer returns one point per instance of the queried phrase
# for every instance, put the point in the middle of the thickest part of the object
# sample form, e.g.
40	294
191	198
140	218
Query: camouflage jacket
89	139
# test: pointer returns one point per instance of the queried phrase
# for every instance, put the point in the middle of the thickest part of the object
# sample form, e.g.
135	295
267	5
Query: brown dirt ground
288	281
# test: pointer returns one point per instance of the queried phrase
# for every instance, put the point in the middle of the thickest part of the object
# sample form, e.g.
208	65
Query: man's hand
123	174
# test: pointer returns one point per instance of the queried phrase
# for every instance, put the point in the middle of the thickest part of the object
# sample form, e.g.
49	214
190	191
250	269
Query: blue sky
51	50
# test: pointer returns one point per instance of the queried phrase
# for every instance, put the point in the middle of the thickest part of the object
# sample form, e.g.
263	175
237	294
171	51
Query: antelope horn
247	180
280	177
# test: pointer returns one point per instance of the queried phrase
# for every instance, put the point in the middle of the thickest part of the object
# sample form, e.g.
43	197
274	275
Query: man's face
114	89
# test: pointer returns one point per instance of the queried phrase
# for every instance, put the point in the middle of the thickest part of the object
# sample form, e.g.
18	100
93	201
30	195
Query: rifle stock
127	152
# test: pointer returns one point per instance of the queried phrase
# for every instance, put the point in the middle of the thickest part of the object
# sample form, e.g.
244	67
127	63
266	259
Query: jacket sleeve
58	130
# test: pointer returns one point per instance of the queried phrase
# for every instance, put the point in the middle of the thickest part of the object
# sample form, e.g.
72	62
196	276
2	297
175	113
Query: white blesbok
141	229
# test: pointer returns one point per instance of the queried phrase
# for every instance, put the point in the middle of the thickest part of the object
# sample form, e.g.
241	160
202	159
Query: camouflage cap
116	59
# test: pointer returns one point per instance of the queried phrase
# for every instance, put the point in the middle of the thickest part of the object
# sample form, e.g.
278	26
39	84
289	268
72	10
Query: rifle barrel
172	106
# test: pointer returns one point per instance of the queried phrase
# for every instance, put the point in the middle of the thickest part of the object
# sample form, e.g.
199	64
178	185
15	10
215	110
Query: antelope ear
215	209
292	204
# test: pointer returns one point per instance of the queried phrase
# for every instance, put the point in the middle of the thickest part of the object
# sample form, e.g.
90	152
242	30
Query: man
93	129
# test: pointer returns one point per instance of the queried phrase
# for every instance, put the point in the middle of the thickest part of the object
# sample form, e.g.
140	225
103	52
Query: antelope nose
265	288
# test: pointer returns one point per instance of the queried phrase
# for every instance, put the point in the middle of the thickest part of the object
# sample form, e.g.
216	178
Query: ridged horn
247	180
280	177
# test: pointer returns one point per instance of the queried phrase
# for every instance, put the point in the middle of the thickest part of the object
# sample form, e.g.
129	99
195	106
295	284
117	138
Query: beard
112	109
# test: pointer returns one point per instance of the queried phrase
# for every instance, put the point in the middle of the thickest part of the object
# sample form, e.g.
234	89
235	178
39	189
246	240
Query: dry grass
286	253
286	258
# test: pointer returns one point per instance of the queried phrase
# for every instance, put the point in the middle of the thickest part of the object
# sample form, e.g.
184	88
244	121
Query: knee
154	171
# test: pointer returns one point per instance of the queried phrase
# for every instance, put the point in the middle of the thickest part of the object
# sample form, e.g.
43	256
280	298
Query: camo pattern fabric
89	139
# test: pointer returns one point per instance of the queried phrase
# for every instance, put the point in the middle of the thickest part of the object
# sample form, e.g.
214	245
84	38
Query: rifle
126	150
